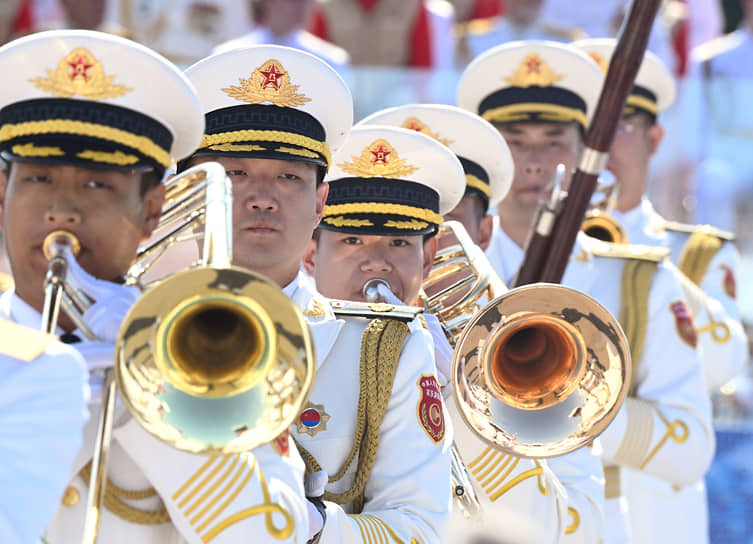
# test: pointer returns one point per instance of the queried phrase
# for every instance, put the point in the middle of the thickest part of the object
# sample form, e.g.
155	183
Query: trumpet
538	371
211	360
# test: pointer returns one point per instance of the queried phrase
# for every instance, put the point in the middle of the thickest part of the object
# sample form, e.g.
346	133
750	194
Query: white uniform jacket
42	414
208	499
721	337
407	495
522	500
662	434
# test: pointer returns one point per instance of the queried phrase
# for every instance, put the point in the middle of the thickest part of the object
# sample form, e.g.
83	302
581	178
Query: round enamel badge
429	409
313	419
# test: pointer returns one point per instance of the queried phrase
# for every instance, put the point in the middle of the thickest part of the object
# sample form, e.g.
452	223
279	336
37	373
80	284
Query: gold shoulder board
476	27
686	228
22	343
345	308
630	251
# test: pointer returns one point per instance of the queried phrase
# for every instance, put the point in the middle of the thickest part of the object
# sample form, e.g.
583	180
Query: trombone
211	360
538	371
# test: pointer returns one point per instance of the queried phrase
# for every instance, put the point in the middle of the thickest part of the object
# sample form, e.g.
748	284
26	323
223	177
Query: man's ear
3	187
430	250
655	137
153	200
485	229
321	197
309	258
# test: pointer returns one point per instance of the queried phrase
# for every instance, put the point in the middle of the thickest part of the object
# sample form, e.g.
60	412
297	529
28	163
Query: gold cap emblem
600	60
533	71
268	83
379	159
80	74
419	126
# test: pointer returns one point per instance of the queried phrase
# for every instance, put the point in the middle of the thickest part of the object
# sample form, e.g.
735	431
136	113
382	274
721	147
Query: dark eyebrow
557	131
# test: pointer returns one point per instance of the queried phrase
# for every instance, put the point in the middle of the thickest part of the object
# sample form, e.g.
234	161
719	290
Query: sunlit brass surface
540	371
461	280
603	226
58	289
224	370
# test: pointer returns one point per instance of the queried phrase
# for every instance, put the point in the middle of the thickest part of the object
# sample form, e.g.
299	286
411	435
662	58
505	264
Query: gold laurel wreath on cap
79	73
533	71
600	60
378	159
416	124
270	82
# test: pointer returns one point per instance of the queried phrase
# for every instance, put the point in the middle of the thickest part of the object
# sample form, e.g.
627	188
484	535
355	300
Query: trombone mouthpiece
58	242
371	289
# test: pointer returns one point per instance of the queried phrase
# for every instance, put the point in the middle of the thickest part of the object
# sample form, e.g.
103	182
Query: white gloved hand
388	295
443	351
314	488
112	301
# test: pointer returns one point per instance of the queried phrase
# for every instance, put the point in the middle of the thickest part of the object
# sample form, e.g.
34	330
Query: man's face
474	218
103	208
537	149
285	16
276	206
635	142
342	263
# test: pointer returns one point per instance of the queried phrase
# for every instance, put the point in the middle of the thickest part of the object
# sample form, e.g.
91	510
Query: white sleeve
42	414
582	475
408	491
228	498
669	418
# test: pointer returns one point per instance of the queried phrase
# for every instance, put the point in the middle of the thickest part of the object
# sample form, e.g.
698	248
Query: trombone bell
540	383
534	362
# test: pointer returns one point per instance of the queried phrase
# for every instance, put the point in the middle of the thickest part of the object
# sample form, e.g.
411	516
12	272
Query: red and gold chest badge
80	73
270	82
430	413
281	444
378	159
313	419
684	323
729	282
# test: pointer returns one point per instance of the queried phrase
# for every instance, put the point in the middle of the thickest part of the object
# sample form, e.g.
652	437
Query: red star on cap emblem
271	77
379	155
533	65
80	68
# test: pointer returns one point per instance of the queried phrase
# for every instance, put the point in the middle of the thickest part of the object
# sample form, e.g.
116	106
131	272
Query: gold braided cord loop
697	254
82	128
424	214
635	285
381	345
576	520
114	503
518	112
277	136
474	182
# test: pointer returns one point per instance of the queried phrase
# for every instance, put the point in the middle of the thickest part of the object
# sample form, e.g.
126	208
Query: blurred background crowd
393	52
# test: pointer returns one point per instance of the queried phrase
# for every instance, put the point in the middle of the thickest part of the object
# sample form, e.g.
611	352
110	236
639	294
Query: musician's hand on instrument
111	301
443	351
314	488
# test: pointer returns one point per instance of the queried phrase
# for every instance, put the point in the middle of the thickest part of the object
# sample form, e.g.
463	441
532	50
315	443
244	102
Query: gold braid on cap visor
383	208
475	183
276	136
82	128
522	112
